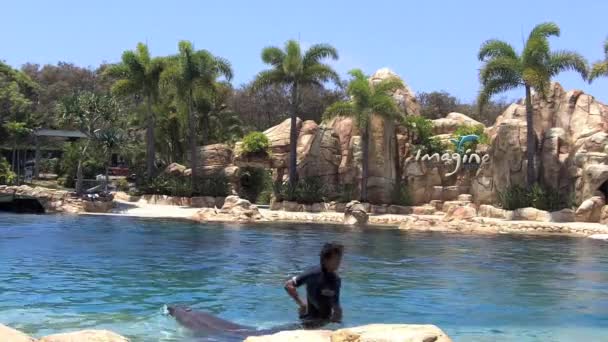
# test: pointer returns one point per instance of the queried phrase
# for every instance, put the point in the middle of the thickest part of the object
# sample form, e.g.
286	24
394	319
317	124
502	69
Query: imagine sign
460	158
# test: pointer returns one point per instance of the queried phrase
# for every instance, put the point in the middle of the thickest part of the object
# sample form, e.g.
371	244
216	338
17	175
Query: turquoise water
61	273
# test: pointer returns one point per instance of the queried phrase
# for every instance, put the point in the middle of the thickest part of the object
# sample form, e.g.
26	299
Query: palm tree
187	72
367	99
139	75
600	68
291	68
504	70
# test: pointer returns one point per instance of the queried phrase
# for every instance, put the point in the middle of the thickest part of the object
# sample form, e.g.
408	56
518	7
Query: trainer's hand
336	317
303	309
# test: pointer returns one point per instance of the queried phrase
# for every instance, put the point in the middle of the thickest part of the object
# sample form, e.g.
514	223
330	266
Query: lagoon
61	273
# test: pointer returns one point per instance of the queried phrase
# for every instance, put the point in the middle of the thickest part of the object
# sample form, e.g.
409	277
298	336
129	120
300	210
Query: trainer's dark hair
331	249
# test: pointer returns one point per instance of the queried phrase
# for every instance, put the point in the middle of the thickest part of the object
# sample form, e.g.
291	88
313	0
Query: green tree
292	68
504	69
188	72
600	68
17	95
91	113
110	138
367	99
17	131
139	74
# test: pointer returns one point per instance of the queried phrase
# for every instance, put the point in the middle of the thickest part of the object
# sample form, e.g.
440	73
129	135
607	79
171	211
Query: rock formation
355	213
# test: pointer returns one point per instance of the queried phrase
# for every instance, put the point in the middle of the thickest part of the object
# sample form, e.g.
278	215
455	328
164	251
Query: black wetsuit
322	295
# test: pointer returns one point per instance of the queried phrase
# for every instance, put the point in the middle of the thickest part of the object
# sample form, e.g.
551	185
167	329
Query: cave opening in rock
604	189
255	184
21	206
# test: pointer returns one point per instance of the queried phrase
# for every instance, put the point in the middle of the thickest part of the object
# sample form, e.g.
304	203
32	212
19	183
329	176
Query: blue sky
432	44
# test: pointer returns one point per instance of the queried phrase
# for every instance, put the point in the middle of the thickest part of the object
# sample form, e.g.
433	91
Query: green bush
422	138
255	143
307	191
401	196
542	198
122	185
478	130
346	193
253	181
6	175
215	185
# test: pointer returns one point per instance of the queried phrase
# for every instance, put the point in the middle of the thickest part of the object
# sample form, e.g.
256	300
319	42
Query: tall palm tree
110	138
292	68
367	99
504	70
187	72
600	68
139	74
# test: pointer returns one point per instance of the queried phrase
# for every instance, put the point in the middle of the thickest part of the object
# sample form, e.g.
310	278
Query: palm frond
500	67
340	108
357	74
384	106
224	68
124	87
496	48
598	69
292	64
117	70
606	48
544	30
317	52
273	55
143	53
319	73
567	60
267	78
388	86
496	86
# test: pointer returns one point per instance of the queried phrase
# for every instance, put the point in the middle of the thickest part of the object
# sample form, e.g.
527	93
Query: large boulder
319	153
213	159
86	336
391	333
531	214
11	335
460	213
451	122
590	210
240	208
294	336
175	169
355	213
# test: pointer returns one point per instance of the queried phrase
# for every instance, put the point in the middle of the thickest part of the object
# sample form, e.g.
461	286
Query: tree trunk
79	177
365	171
14	159
150	143
293	137
108	172
18	168
530	138
192	136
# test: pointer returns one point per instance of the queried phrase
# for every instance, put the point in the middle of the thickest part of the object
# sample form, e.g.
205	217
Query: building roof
59	133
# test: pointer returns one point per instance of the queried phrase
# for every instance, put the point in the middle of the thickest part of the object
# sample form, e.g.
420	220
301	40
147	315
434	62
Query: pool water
61	273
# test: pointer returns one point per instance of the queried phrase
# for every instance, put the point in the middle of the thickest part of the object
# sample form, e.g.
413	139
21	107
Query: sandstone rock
391	333
355	213
590	210
465	197
449	205
405	98
423	210
451	122
205	214
11	335
175	169
531	214
604	215
294	336
460	213
317	207
292	206
275	205
564	215
240	208
97	206
594	177
487	210
85	336
379	209
213	159
399	210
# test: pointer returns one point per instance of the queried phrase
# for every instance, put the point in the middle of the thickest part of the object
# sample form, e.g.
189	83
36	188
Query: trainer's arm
336	316
290	287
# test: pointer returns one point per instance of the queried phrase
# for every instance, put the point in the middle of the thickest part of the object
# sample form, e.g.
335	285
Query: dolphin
205	323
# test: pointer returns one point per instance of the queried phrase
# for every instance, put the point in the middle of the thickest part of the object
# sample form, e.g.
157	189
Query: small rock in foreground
85	336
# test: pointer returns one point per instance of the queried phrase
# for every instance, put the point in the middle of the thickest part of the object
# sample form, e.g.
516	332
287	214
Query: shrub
253	181
307	191
6	175
255	143
542	198
122	185
215	185
346	192
401	196
421	129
